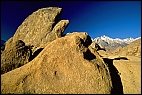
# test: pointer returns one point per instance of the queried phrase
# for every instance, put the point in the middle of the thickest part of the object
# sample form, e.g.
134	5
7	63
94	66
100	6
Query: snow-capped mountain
117	40
111	44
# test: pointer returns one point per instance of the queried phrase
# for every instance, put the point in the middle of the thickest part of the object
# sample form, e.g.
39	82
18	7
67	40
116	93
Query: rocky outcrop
57	32
66	65
130	74
97	46
39	28
16	55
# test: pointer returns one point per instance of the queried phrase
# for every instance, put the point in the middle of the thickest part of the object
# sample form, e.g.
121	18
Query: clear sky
116	19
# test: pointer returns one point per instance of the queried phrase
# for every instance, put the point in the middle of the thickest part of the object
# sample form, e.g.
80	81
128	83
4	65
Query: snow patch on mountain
111	44
116	40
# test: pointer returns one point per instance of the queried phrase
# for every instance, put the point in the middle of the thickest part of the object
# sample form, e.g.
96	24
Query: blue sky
116	19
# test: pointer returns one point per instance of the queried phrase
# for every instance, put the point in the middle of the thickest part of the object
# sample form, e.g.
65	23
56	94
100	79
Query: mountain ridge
126	40
111	44
134	48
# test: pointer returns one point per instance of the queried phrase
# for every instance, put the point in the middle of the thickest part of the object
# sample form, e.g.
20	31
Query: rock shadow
88	55
99	48
116	80
87	42
121	58
35	54
57	19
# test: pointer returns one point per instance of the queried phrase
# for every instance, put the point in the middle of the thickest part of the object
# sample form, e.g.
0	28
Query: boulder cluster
40	59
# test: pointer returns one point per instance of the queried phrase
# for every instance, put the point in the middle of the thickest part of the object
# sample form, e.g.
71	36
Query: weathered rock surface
66	65
16	55
39	28
130	73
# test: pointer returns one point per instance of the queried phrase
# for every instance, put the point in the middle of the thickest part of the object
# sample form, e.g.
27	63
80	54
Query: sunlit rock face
39	28
66	65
